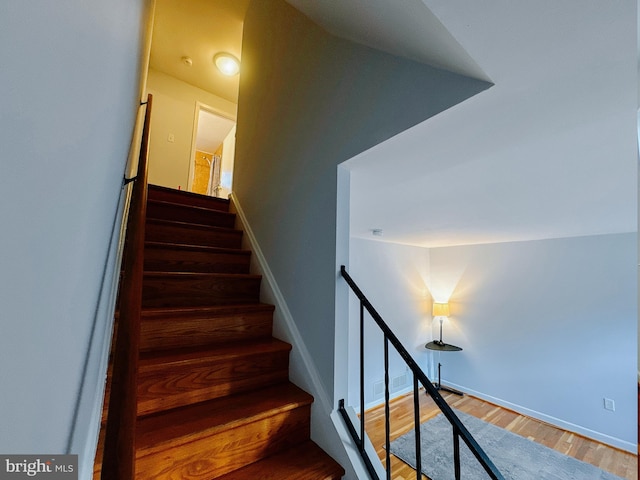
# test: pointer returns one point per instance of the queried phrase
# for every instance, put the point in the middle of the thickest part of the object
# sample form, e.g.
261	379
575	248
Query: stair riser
187	214
161	387
198	290
185	198
178	260
187	331
184	234
222	452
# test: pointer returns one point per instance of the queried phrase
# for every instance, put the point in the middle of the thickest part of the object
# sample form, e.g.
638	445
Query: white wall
228	155
70	79
394	278
297	121
548	327
174	113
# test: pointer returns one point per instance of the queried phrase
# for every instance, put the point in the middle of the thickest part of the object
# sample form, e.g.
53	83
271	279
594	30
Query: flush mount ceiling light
227	64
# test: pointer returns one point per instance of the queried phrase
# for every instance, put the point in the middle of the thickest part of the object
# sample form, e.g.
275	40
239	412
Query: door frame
194	134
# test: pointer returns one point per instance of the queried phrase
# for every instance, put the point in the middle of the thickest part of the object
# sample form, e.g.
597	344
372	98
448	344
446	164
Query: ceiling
405	28
549	151
198	29
212	130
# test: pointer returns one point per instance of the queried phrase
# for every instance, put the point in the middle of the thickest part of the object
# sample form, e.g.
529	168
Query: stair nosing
196	247
212	309
173	191
206	353
199	226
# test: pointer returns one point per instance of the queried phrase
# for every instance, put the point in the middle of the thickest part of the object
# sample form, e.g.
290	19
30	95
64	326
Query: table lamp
440	310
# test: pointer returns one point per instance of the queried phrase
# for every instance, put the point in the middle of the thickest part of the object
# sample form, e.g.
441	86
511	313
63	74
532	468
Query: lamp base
439	386
447	389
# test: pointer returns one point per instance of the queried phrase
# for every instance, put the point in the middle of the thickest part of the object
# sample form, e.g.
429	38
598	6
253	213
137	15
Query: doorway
212	153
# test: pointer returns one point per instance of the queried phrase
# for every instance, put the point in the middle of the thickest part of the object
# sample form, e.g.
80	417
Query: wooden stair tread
171	210
197	208
304	462
154	313
207	353
213	396
170	328
182	275
196	248
179	289
192	233
186	376
164	430
189	198
195	226
181	257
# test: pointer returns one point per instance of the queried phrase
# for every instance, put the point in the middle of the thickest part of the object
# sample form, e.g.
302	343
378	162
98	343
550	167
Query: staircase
214	400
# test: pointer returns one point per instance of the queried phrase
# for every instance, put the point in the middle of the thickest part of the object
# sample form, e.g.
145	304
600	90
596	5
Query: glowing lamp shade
227	64
440	310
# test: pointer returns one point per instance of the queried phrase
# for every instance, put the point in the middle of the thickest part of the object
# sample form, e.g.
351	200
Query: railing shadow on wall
419	378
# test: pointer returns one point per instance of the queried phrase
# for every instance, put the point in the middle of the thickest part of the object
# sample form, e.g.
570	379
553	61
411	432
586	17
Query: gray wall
548	327
309	101
70	81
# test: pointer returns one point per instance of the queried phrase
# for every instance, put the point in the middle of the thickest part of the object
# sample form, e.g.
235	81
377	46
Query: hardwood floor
607	458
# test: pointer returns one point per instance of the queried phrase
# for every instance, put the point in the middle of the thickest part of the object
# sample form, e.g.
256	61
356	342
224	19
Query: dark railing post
362	375
419	377
354	434
416	420
387	416
456	453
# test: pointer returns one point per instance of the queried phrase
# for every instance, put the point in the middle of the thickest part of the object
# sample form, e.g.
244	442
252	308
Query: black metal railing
419	377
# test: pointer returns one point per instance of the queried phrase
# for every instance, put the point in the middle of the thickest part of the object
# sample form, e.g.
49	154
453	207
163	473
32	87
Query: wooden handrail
118	461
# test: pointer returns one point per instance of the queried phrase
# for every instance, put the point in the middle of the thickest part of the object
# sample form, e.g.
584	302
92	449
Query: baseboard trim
282	315
570	427
380	401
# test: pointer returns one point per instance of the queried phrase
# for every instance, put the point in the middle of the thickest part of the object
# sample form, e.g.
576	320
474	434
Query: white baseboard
327	430
285	327
380	401
570	427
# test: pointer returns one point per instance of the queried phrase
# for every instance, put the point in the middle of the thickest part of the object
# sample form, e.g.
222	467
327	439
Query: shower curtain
213	189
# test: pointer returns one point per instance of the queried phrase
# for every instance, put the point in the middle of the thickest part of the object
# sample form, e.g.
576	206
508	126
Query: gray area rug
516	457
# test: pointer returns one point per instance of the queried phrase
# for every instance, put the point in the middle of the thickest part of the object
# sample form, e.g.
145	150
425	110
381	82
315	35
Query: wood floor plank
615	461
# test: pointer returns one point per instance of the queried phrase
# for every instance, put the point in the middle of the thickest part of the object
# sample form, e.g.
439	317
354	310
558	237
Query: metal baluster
361	377
456	453
387	415
416	420
459	430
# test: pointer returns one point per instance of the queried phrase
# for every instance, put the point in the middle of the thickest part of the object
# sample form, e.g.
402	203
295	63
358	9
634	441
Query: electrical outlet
171	138
609	405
